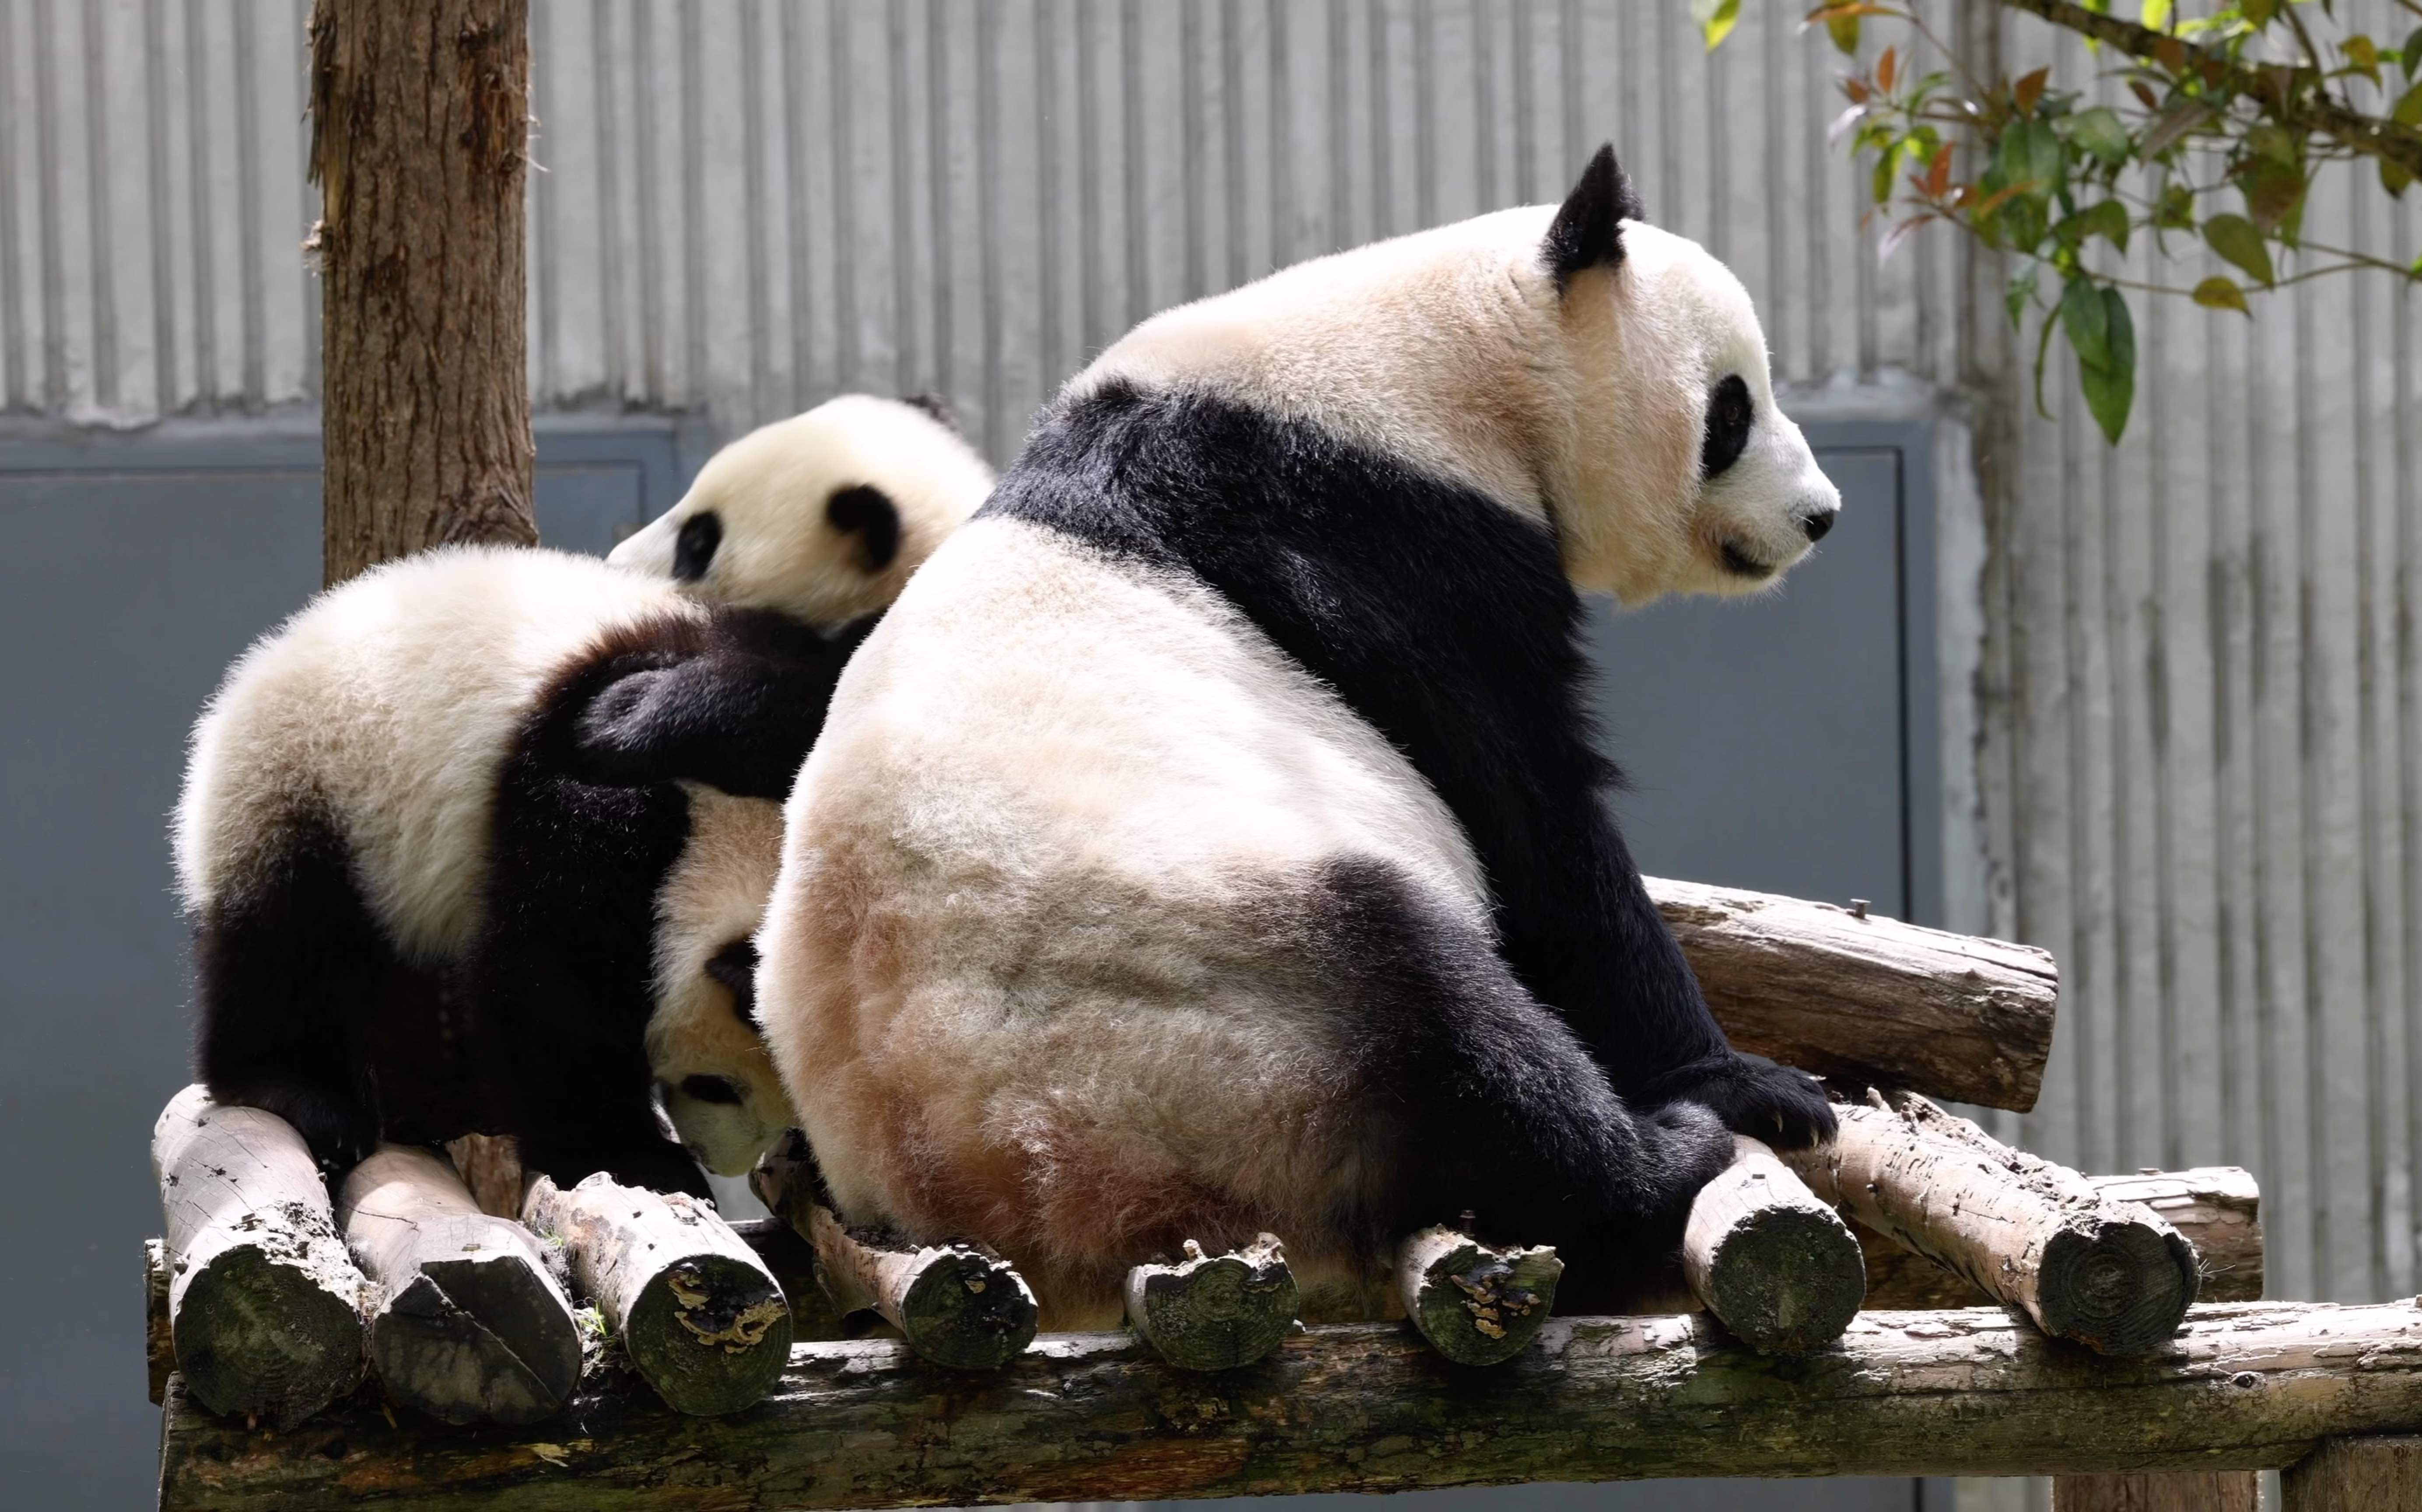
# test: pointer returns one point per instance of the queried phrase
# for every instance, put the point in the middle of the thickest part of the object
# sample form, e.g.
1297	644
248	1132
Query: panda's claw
1753	1096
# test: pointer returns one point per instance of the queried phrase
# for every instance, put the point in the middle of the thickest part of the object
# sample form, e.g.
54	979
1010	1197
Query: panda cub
1210	840
476	840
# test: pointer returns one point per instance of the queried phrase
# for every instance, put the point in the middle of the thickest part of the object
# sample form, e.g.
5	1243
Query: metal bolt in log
701	1317
1475	1305
1215	1312
2113	1276
263	1302
466	1322
1777	1265
956	1304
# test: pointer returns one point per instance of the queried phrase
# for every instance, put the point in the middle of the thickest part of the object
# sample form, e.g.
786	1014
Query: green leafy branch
2045	174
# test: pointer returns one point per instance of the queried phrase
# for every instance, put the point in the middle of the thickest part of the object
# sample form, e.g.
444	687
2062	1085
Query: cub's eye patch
712	1089
735	967
694	548
1729	417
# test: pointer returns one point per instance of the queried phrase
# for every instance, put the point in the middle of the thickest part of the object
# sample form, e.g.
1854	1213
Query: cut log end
966	1309
255	1333
711	1333
1474	1304
2115	1283
476	1339
1215	1312
1776	1266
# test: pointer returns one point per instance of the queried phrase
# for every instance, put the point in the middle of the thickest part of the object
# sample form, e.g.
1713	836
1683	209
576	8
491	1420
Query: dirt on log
420	138
1368	1408
1867	1001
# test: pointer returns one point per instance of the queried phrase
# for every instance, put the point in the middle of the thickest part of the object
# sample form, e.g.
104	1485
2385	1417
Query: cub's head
821	516
719	1084
1677	473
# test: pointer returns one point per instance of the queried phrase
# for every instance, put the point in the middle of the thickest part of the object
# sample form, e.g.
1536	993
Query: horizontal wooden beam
1867	1001
1366	1408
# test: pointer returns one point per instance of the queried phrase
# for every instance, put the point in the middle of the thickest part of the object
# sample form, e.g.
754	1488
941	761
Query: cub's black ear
1588	229
867	512
735	967
933	406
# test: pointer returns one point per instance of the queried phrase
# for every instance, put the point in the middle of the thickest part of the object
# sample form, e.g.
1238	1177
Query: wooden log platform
1367	1408
701	1317
467	1320
263	1304
1775	1264
1867	1000
2111	1275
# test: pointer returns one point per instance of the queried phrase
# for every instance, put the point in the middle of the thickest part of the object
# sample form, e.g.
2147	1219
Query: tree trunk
419	125
1369	1407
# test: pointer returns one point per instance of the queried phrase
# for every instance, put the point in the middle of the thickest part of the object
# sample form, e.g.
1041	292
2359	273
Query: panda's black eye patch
867	512
735	967
694	548
1728	421
712	1089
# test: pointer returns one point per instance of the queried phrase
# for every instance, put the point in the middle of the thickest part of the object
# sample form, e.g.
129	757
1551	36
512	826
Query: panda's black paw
614	740
1754	1096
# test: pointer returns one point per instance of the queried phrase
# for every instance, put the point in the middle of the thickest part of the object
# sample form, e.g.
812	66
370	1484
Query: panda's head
1677	472
821	516
717	1083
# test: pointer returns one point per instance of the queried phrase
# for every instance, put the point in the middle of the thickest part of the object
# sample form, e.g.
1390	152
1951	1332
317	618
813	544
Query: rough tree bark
1369	1407
419	123
1868	1000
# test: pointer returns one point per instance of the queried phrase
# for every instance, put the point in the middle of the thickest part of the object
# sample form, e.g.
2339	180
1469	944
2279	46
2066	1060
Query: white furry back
384	708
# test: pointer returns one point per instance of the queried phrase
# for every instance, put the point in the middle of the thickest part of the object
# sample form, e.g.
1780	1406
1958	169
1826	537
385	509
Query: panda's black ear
1588	229
735	967
935	406
867	512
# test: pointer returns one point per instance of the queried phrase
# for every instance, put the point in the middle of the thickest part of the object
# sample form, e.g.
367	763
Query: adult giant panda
477	841
1210	841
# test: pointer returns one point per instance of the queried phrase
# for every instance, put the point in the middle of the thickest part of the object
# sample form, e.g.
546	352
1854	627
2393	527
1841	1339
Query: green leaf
2098	131
2030	154
2086	322
2018	296
2273	195
2258	12
1716	19
2109	220
2235	238
2393	179
2408	109
2156	14
2175	210
2217	292
1844	29
2410	58
2363	55
2110	386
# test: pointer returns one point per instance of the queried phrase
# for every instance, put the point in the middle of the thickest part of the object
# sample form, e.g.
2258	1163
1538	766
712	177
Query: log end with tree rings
1775	1264
967	1309
1476	1305
1215	1312
2115	1283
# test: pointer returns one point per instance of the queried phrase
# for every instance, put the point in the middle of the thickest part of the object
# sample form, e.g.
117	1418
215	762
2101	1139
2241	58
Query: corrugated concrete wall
2196	770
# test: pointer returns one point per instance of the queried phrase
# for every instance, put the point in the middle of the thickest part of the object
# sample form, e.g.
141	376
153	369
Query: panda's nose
1817	521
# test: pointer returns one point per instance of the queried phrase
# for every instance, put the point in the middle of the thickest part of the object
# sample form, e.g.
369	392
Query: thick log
1215	1312
956	1304
465	1321
784	1252
263	1304
2215	1208
2356	1476
1867	1000
1474	1304
703	1319
2110	1275
1776	1264
2181	1491
159	1344
1368	1408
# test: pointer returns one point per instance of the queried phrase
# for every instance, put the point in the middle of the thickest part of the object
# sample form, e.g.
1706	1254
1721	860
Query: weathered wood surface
2178	1490
263	1301
2215	1208
2037	1236
467	1321
1868	1000
490	1165
2361	1474
1215	1312
1476	1305
701	1317
1775	1264
1369	1407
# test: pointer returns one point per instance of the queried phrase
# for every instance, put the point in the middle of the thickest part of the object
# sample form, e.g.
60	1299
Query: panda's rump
1045	963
